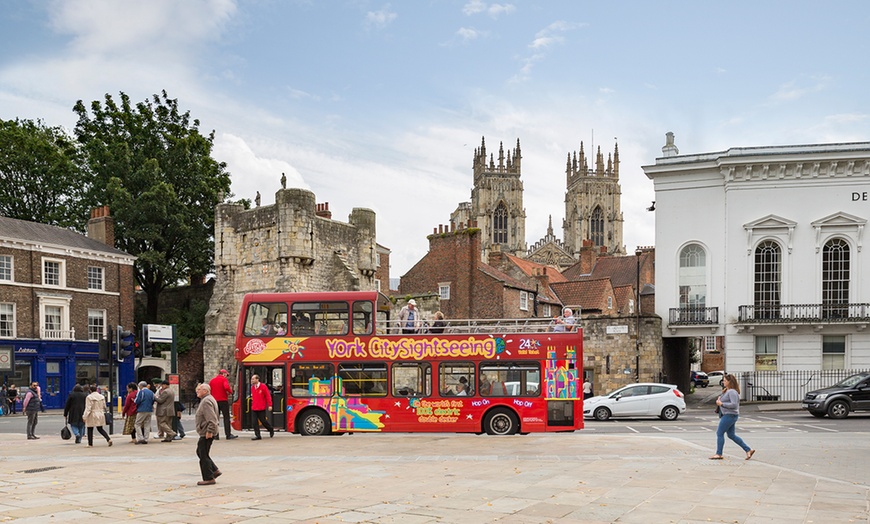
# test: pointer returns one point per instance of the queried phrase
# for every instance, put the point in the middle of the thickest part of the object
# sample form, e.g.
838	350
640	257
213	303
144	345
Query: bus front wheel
501	421
314	423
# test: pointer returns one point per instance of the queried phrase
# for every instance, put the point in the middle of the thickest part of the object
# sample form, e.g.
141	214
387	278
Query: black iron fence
689	316
804	313
787	386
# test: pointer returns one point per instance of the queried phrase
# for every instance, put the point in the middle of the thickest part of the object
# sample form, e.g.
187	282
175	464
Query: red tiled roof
588	294
531	268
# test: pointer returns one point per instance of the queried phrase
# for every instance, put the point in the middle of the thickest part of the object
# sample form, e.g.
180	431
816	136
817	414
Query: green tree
161	185
41	178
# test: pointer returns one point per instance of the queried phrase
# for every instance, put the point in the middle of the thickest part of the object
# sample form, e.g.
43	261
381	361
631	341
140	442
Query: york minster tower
496	202
592	203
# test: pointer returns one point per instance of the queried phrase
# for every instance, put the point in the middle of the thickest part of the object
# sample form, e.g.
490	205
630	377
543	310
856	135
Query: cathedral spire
550	227
500	154
599	163
616	161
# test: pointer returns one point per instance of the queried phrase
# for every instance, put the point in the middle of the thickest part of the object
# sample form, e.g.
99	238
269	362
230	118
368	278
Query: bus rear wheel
314	423
501	421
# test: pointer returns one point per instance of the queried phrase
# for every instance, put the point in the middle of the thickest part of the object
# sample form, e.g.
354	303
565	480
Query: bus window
311	380
510	379
457	378
319	318
365	380
264	319
412	379
362	318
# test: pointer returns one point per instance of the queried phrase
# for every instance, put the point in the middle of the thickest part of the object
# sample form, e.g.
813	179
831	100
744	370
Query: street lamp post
637	253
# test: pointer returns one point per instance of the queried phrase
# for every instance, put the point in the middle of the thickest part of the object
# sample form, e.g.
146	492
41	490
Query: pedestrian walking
95	415
165	411
729	412
74	412
12	397
129	411
206	427
144	408
32	406
261	398
222	391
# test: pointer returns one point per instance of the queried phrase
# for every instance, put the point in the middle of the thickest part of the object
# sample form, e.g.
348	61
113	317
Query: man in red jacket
261	398
222	391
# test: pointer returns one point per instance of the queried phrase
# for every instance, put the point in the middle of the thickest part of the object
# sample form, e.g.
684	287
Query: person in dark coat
74	410
32	406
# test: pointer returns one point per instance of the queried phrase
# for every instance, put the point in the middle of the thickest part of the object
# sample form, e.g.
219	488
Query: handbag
65	433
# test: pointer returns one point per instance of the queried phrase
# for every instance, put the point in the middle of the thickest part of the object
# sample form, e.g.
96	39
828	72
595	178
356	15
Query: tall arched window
500	225
596	227
693	283
768	279
835	279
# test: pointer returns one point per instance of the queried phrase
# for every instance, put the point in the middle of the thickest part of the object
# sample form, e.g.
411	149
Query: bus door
273	377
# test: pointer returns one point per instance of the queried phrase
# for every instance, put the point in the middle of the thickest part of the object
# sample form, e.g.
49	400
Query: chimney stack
101	226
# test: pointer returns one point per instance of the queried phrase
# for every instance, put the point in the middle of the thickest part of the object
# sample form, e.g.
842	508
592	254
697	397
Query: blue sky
380	105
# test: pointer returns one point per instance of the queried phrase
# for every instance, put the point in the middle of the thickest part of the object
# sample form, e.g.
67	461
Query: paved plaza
413	478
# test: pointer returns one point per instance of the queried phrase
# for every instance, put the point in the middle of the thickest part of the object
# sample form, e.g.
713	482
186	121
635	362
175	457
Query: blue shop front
58	365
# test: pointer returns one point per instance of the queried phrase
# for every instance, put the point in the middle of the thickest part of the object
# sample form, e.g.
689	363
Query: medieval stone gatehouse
290	246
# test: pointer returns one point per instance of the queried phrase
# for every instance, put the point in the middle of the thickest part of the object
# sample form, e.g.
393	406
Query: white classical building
760	257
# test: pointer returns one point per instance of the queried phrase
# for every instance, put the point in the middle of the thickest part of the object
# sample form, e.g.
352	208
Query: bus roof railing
476	325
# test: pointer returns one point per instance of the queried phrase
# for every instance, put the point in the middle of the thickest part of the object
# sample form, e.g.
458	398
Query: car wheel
705	385
314	423
838	409
601	413
670	413
501	421
817	414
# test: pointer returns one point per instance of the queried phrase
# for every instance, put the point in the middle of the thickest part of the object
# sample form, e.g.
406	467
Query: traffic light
148	349
126	344
106	347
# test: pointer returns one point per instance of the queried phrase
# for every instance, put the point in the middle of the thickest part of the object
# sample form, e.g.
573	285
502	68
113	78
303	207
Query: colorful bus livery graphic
341	365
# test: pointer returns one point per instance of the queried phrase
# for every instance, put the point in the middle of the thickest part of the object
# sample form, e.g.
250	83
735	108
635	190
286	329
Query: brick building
469	288
60	293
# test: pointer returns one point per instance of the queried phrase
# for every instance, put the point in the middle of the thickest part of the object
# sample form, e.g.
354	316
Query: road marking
632	429
821	428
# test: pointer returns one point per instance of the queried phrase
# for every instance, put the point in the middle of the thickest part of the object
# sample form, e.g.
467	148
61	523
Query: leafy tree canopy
161	185
41	178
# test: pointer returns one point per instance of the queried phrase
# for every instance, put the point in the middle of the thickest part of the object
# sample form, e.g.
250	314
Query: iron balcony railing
693	316
787	386
803	313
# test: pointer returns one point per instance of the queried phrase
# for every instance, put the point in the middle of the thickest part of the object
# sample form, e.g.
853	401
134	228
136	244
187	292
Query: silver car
637	400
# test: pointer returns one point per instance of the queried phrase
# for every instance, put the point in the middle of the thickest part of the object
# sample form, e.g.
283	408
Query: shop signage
7	359
27	350
616	330
863	196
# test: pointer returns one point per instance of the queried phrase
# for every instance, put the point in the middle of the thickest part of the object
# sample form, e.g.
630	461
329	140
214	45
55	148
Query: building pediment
771	222
842	223
768	225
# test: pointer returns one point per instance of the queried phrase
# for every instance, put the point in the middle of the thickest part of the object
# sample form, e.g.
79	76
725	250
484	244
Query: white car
717	376
637	400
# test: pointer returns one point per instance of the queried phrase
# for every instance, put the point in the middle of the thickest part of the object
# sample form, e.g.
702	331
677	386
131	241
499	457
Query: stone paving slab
413	478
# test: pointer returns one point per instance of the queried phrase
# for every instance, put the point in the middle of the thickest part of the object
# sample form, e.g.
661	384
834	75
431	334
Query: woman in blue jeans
729	411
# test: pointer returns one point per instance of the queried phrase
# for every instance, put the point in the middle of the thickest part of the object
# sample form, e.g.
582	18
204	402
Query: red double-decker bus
335	363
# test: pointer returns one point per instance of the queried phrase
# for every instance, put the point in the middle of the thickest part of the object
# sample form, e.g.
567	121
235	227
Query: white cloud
251	172
380	19
468	33
494	10
111	27
791	91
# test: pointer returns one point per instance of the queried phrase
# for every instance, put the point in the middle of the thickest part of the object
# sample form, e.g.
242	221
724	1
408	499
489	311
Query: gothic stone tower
592	203
496	202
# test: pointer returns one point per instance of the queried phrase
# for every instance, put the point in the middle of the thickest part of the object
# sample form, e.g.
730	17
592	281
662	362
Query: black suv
850	394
